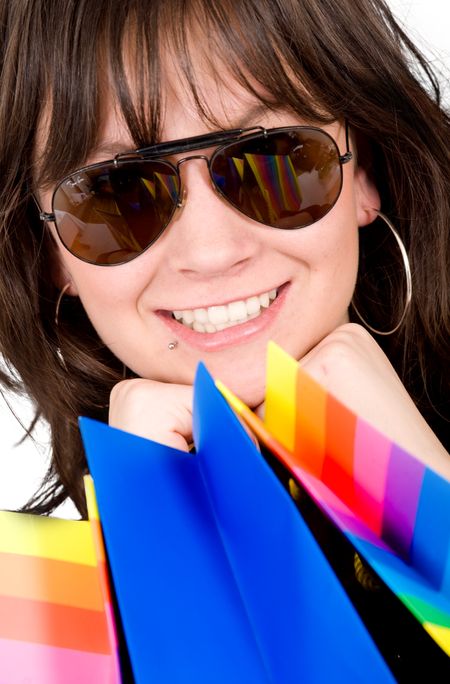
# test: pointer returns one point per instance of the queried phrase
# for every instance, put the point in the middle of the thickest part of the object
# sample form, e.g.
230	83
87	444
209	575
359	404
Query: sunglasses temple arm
43	215
347	156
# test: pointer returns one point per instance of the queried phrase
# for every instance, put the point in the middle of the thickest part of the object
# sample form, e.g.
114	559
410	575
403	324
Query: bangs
118	52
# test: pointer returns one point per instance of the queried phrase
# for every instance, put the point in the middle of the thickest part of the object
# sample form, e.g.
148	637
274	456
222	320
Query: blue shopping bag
217	577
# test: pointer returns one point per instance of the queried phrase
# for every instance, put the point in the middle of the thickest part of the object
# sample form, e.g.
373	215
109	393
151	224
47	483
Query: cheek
326	267
109	294
114	300
330	253
339	246
338	261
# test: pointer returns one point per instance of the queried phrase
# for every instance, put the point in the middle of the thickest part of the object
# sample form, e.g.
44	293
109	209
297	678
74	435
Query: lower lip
236	334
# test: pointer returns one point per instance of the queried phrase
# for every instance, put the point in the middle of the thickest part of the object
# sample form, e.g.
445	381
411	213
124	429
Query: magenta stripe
370	467
341	515
403	486
21	661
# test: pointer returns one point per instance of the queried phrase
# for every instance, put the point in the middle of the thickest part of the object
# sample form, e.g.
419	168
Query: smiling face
217	282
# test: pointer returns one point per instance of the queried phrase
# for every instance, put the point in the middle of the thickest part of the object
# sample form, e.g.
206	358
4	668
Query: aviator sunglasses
110	212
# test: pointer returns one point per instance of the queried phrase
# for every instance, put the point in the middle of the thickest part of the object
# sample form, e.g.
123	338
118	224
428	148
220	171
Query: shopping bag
217	577
393	509
56	618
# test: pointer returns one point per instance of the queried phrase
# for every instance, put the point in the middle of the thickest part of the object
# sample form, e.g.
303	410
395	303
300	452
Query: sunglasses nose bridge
182	201
190	158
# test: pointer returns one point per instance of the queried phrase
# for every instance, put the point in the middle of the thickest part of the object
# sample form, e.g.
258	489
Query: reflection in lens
110	214
287	179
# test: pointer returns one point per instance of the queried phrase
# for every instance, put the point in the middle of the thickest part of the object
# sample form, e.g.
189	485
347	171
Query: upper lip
237	298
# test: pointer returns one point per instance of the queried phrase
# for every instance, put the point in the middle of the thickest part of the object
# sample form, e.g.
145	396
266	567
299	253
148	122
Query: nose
208	237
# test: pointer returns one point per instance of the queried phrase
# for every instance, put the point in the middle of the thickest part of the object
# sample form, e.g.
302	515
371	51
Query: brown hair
352	59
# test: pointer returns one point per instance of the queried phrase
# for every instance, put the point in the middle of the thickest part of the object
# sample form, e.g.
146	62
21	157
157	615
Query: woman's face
212	256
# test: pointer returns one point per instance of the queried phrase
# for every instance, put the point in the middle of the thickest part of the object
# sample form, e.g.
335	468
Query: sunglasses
109	213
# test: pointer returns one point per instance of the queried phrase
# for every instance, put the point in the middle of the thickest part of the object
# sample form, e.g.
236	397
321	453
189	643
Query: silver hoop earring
407	268
58	302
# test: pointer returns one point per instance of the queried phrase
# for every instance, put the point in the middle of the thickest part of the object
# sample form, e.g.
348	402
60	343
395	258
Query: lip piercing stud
172	345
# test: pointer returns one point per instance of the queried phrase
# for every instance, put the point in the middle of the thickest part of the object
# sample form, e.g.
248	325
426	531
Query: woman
116	280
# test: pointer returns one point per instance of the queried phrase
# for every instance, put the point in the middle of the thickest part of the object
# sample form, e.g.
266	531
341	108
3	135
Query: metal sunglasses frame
219	139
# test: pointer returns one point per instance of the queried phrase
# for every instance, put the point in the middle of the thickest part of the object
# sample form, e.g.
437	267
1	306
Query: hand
154	410
351	365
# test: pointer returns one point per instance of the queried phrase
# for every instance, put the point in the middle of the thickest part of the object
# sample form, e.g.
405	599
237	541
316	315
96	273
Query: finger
153	410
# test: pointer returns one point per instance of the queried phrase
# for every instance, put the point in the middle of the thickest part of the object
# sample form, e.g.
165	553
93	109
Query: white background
21	467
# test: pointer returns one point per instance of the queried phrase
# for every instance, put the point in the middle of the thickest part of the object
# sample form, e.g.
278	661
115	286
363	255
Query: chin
249	387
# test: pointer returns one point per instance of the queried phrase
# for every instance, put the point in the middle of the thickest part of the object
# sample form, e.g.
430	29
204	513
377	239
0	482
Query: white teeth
201	316
237	311
264	300
188	316
253	305
218	315
216	318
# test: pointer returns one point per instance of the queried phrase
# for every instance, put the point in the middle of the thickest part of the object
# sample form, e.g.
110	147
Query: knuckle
348	339
340	350
333	352
129	390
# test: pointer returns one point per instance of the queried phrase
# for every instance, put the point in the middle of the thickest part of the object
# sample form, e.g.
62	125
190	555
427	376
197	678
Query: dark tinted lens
110	214
287	179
